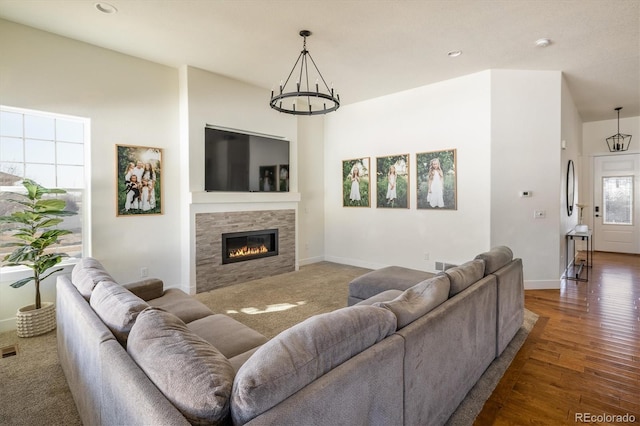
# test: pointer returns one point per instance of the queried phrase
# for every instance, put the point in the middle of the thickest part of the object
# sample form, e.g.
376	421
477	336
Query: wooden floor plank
583	354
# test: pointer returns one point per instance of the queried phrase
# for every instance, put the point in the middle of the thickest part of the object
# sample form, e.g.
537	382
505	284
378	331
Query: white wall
129	101
526	137
507	128
571	137
311	183
454	114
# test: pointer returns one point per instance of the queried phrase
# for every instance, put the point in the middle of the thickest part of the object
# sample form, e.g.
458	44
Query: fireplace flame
247	251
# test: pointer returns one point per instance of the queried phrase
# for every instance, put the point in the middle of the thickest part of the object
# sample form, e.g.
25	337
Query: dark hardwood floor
582	357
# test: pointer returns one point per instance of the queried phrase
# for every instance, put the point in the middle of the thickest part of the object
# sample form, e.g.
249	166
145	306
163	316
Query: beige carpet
33	389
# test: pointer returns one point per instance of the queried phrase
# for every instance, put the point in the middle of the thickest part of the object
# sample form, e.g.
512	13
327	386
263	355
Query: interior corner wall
453	114
311	185
525	156
129	101
571	140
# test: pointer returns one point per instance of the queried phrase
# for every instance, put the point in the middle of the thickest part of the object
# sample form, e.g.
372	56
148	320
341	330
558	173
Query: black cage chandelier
618	142
319	101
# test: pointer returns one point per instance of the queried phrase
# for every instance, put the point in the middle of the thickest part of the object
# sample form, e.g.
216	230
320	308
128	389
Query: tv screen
244	162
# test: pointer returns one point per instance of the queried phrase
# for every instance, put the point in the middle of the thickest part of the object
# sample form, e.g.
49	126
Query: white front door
617	203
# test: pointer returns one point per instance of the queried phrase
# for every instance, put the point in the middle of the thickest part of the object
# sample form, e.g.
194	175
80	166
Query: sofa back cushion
418	300
464	275
303	353
190	372
87	273
117	307
495	258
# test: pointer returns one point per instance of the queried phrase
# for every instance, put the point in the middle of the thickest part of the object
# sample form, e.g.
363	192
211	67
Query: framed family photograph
436	180
139	180
355	183
392	181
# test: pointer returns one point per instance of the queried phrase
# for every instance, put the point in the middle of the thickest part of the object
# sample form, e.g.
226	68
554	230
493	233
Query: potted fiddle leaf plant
32	228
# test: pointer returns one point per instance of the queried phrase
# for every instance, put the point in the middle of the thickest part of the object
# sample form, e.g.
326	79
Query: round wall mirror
571	187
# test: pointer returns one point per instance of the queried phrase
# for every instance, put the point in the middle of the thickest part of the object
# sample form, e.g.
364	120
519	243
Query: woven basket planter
33	322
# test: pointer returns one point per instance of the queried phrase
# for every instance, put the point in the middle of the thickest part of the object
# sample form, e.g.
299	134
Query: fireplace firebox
241	246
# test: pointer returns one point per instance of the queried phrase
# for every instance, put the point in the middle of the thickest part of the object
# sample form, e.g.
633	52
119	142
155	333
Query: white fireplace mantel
202	197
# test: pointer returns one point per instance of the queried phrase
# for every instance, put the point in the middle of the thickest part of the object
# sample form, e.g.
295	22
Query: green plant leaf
50	273
49	205
32	188
22	282
21	255
48	223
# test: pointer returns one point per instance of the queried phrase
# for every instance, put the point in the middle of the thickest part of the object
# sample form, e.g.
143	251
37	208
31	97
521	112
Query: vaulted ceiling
370	48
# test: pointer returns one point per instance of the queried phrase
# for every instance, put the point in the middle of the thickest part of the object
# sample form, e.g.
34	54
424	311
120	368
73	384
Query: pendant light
317	98
618	142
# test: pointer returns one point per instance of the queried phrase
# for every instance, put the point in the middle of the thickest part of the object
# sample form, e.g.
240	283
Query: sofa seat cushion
385	296
302	354
464	275
86	274
147	289
117	307
190	372
229	336
181	305
389	278
416	301
495	258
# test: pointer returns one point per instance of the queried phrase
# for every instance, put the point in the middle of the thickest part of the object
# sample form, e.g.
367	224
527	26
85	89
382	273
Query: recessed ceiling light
454	53
106	8
543	42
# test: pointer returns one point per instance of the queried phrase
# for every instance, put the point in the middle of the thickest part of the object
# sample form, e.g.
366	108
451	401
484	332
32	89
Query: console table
573	236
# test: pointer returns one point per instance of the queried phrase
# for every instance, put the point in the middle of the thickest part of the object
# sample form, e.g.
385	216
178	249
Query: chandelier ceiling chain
316	101
618	142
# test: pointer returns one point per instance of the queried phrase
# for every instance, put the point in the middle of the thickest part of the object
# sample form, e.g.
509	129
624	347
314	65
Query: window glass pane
10	124
37	127
70	131
40	151
13	173
618	200
70	176
49	149
11	149
44	174
72	244
70	153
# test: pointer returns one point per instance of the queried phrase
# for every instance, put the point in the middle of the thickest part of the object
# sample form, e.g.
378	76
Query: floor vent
8	351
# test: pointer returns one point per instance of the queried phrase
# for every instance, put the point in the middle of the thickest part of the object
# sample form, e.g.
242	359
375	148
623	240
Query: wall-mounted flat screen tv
244	162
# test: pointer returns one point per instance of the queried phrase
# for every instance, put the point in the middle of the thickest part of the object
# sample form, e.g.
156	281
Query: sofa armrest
150	288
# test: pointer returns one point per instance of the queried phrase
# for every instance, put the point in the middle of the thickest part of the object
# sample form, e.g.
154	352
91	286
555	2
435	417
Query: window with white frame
49	149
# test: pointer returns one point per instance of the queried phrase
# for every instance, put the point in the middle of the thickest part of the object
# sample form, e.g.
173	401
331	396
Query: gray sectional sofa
138	354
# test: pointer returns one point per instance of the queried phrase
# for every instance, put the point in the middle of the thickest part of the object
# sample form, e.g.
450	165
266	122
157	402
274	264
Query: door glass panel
617	194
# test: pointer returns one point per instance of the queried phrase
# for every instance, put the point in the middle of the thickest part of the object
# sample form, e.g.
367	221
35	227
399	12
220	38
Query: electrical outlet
426	256
144	272
539	214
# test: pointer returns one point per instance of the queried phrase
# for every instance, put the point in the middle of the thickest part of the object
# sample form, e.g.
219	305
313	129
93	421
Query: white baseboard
7	324
310	260
354	262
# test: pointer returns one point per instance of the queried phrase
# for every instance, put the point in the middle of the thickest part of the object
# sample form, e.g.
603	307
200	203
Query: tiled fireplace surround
212	274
